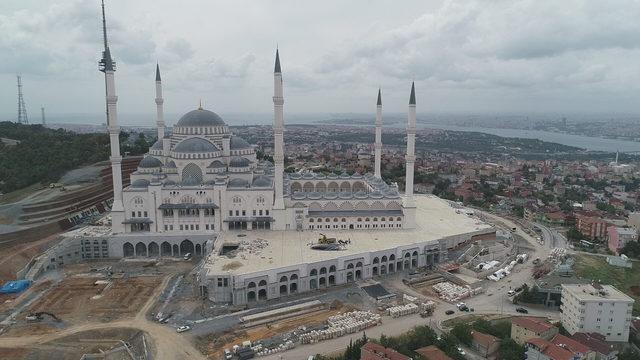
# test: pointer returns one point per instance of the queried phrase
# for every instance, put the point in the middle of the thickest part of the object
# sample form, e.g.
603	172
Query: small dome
150	162
314	195
345	195
171	164
200	117
140	183
216	164
237	182
238	143
261	181
157	145
239	162
344	175
169	183
195	145
330	195
308	176
294	176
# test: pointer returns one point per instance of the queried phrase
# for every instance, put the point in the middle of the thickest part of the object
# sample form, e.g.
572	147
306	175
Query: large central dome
200	118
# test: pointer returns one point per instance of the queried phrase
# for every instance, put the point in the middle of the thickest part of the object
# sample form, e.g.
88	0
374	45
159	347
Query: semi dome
238	143
239	162
195	145
171	164
140	183
150	162
216	164
261	181
157	145
200	118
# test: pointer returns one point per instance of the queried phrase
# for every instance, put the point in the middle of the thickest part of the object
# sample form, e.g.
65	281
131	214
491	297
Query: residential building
432	352
618	237
525	328
575	347
373	351
484	344
596	308
597	343
540	349
592	227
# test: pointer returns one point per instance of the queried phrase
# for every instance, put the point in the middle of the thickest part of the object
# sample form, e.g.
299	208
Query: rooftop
432	352
596	292
532	324
378	352
434	217
551	350
594	341
570	344
483	339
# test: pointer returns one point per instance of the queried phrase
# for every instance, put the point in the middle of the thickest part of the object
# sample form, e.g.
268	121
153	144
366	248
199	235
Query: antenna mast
22	109
43	119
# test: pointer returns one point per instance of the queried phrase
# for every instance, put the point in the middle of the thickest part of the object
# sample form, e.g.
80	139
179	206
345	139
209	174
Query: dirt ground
73	347
79	300
213	345
16	257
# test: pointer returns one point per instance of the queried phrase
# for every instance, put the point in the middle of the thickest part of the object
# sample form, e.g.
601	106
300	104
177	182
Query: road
168	344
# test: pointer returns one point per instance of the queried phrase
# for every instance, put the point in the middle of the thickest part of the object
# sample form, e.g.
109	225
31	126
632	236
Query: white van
187	256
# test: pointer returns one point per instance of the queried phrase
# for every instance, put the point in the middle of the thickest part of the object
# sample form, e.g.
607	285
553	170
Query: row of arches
348	205
333	186
165	249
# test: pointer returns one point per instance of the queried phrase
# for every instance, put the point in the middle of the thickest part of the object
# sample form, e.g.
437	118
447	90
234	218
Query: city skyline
474	57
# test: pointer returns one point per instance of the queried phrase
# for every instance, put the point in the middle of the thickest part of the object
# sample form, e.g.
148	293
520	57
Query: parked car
511	292
461	351
460	305
187	256
227	354
449	312
522	310
183	328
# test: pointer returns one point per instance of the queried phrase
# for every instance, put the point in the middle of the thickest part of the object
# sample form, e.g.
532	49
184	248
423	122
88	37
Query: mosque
201	190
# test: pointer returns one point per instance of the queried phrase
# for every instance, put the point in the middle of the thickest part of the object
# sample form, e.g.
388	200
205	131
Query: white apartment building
596	308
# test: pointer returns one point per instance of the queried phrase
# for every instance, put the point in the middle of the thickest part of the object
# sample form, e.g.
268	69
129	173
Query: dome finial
200	106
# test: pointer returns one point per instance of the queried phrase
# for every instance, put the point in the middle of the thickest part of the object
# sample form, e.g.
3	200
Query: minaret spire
159	105
278	135
107	66
378	143
411	140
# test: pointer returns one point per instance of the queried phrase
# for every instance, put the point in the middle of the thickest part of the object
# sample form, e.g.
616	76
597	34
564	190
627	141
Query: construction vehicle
325	240
38	316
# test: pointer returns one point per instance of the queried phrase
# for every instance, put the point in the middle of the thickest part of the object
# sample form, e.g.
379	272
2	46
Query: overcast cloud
465	56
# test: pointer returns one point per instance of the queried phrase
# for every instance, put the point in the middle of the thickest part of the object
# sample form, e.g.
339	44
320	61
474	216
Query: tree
631	249
462	332
510	350
629	354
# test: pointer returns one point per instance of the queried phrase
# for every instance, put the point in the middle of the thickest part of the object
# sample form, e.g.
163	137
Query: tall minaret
159	106
278	129
108	67
378	144
411	144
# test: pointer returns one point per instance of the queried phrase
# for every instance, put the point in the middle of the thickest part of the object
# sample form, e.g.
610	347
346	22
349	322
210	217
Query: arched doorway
141	249
251	296
154	249
332	280
262	294
391	268
375	271
414	262
406	264
283	289
293	288
349	276
198	249
127	250
165	249
313	284
383	270
186	246
176	250
323	282
358	274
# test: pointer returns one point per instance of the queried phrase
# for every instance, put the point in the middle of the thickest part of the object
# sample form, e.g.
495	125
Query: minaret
278	130
411	144
159	106
378	144
108	67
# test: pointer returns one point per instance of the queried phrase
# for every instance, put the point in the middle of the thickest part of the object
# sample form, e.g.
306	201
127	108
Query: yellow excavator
323	239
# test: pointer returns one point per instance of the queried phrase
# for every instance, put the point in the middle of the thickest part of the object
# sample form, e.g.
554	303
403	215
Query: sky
485	56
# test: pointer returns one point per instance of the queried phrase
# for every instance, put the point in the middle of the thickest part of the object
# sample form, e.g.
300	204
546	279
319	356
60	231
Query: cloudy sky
465	56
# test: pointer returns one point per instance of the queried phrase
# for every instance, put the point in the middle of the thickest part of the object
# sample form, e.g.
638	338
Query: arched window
138	201
188	199
344	220
283	279
398	219
237	200
311	220
332	268
260	199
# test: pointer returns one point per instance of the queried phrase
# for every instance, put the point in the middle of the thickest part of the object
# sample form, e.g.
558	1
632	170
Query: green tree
462	332
631	249
510	350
